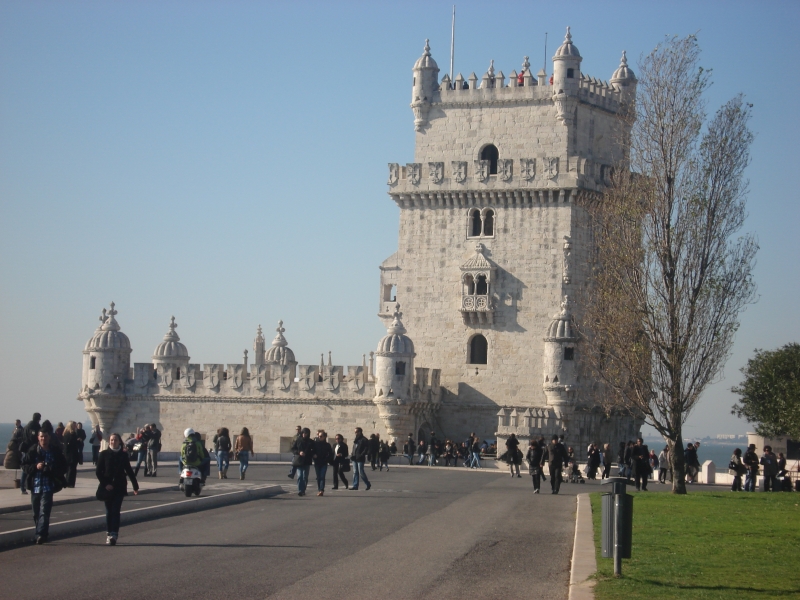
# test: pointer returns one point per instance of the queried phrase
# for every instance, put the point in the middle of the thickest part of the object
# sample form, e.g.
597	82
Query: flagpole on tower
452	41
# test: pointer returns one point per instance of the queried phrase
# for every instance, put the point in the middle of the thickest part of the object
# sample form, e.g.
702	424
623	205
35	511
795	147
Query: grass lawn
706	545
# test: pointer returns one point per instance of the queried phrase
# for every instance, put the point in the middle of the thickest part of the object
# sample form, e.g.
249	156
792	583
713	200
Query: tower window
475	223
569	353
481	287
570	73
478	350
389	292
92	362
488	223
178	373
491	154
400	368
469	284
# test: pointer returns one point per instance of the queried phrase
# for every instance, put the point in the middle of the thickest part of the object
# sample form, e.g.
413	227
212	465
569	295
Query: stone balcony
477	309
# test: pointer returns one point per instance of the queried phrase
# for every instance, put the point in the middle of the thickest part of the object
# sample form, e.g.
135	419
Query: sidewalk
12	500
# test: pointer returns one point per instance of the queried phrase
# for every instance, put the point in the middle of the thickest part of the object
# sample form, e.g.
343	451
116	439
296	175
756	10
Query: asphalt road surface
418	533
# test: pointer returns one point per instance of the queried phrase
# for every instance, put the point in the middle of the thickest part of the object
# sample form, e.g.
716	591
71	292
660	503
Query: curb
23	507
138	515
584	558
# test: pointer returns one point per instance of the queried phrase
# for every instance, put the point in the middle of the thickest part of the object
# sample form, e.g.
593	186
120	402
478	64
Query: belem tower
492	244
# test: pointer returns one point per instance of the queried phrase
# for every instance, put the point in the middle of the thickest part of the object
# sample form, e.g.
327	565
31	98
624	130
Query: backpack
224	443
191	451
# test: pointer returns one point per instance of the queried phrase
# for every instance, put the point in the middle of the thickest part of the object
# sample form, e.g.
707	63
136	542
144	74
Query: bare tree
671	277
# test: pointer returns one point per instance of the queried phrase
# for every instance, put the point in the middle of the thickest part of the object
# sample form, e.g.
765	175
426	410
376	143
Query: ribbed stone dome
108	335
279	353
395	341
562	327
426	60
623	72
567	49
171	347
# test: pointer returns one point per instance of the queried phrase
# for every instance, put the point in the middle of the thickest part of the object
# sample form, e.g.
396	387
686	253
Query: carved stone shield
285	377
394	173
258	377
212	376
235	376
528	168
308	377
142	376
165	375
332	377
413	172
482	170
551	167
459	170
357	378
436	171
189	377
505	168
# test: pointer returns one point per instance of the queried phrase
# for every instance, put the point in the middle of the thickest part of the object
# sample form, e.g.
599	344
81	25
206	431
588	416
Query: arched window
478	350
475	223
469	285
481	288
488	223
491	154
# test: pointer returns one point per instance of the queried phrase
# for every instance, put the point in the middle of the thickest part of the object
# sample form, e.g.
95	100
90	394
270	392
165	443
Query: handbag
297	461
346	465
103	494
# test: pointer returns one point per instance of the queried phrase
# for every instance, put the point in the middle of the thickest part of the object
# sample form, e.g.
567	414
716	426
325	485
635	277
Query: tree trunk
678	461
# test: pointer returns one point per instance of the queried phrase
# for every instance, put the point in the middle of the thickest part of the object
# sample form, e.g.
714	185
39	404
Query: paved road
418	533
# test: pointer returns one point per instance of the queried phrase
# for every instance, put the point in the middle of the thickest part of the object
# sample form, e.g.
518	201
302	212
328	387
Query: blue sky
225	162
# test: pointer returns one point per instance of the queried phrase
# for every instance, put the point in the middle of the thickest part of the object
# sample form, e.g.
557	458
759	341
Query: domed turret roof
623	72
395	341
426	60
171	347
567	49
108	335
562	328
279	353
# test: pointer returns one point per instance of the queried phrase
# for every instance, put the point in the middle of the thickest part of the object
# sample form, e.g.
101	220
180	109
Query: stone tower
493	236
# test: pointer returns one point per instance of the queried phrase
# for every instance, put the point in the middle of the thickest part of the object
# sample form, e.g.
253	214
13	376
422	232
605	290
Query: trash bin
626	530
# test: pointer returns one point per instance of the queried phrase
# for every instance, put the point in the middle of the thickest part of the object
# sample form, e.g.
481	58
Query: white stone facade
491	240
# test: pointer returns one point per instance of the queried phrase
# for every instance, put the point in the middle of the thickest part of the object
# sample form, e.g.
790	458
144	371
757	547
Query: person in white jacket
663	465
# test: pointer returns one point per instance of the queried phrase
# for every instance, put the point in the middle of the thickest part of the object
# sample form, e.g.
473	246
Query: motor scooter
191	481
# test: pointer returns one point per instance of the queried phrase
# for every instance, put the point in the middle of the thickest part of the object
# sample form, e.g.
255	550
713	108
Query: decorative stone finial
172	335
110	323
329	359
426	51
526	64
396	327
112	312
479	248
172	323
491	68
279	339
624	60
568	37
566	305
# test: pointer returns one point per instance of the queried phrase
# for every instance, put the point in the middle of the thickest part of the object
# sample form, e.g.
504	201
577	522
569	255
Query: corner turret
425	84
394	376
567	67
560	372
624	80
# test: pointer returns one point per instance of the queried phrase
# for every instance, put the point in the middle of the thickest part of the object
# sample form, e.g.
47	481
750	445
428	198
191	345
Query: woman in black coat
113	472
534	458
71	444
340	454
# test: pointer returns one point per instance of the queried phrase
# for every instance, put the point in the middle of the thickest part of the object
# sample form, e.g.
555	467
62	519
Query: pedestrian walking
71	452
640	456
663	464
512	450
555	455
80	432
96	440
476	453
383	455
374	446
341	462
303	450
140	448
358	456
113	471
621	460
534	458
13	457
222	448
422	450
736	468
242	451
770	463
153	448
44	467
293	470
323	456
608	460
751	463
409	448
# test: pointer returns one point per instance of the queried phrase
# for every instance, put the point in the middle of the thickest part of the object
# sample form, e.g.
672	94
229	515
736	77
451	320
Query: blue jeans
410	458
113	509
421	459
222	460
476	460
292	472
321	471
244	461
359	474
42	504
750	482
302	478
142	459
431	460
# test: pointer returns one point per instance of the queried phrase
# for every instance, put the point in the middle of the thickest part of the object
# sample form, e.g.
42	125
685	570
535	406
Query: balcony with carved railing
477	309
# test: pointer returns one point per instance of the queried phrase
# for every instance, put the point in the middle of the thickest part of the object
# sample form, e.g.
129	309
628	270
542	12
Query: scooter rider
192	451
